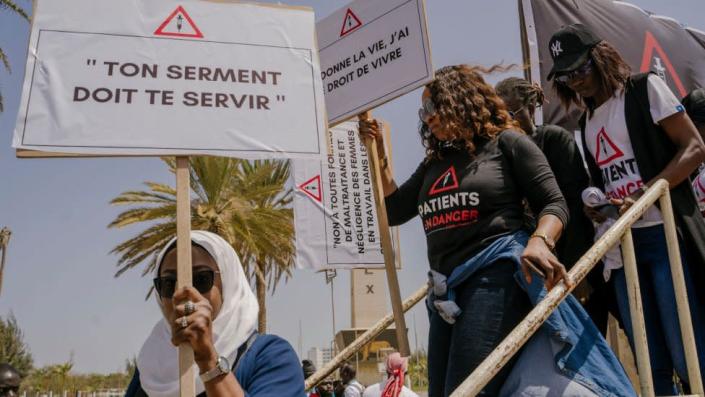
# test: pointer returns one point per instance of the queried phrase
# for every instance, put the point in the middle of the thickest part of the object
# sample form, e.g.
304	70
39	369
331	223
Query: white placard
371	52
148	77
334	207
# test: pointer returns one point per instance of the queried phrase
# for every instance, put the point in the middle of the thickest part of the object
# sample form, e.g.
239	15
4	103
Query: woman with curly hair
469	193
635	132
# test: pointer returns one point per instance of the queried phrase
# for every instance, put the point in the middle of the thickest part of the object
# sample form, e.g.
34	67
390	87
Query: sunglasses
427	110
202	280
582	71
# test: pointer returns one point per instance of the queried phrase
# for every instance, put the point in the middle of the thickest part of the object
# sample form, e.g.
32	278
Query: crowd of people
393	385
501	202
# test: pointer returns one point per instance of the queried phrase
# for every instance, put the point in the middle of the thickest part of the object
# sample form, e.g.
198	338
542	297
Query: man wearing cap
9	381
634	131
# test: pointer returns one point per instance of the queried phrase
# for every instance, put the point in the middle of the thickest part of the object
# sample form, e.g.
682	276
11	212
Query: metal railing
621	230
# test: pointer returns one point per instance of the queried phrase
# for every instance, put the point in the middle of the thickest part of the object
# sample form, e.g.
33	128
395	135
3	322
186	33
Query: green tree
13	349
245	202
11	6
418	370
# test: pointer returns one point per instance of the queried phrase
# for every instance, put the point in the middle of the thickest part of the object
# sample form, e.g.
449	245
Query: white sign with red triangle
371	52
335	216
350	23
605	150
178	24
312	188
162	78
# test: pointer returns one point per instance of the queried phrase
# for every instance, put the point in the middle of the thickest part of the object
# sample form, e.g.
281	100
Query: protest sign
334	207
107	77
372	52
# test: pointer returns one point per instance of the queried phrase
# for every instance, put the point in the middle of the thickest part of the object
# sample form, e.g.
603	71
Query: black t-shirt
466	202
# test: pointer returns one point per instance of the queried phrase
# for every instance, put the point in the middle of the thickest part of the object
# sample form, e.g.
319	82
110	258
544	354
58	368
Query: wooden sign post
183	265
387	249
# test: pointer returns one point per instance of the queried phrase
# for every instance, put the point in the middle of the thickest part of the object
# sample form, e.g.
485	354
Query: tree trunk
261	286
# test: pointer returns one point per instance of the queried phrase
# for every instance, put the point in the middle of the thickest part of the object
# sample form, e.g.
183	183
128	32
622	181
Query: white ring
183	322
189	307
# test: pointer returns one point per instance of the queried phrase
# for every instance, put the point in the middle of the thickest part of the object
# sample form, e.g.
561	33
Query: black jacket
567	165
653	150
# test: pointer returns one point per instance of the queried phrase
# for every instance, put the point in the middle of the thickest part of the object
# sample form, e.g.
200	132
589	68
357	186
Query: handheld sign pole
387	250
183	266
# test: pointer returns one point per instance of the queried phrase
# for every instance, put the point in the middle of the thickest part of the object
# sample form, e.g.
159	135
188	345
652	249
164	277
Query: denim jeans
660	311
492	303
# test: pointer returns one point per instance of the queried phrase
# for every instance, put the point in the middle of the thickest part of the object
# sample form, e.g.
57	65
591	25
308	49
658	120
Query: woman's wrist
208	361
548	241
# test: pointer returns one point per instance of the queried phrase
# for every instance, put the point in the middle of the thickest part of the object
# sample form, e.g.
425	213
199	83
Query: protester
353	388
10	380
635	132
558	145
396	367
694	104
325	389
308	369
469	193
218	318
338	387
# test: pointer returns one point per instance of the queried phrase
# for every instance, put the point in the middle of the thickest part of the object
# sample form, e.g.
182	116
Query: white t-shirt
354	389
376	391
607	140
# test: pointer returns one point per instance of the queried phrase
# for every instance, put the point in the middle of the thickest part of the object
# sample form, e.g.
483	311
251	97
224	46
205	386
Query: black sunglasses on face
202	280
582	71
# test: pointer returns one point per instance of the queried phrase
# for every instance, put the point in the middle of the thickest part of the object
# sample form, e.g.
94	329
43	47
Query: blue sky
59	276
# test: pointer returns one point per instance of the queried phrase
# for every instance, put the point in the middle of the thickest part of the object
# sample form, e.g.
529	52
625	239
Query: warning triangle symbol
312	188
606	150
659	62
447	181
178	24
350	23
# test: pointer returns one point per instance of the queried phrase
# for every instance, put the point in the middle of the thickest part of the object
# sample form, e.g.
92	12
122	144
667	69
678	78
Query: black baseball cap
570	47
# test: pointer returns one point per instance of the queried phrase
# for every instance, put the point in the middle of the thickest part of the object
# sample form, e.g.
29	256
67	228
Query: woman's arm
535	179
400	201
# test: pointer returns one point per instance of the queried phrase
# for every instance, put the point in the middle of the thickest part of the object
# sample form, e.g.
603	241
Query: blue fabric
585	357
269	368
660	311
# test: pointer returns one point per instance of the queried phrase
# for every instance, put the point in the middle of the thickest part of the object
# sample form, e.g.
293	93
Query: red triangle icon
606	150
651	44
174	25
447	181
350	23
312	188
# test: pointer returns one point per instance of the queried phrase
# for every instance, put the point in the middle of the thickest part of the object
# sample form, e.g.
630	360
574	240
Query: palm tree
9	5
247	203
5	234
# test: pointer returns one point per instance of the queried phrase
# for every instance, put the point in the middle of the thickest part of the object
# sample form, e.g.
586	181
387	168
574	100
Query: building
320	356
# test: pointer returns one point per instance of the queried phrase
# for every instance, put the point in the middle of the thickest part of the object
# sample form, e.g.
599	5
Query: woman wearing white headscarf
218	318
